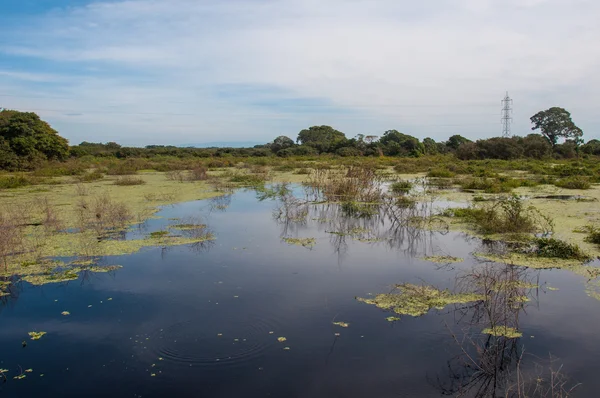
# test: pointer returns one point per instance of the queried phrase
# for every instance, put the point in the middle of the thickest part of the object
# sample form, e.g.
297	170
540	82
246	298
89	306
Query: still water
207	320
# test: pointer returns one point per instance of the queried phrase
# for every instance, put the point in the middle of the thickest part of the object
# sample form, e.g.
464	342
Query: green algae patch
535	262
503	331
444	259
415	300
188	227
305	242
341	324
36	335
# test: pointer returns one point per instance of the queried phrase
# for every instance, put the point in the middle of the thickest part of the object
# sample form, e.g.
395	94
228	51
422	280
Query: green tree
30	139
555	123
430	146
281	142
455	141
395	143
322	138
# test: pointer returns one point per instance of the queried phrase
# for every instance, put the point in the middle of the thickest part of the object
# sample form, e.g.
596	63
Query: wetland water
206	320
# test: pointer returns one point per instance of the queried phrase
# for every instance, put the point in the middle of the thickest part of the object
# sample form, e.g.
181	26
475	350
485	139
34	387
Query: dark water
204	321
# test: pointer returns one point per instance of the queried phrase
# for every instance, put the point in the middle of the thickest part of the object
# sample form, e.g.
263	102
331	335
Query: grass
305	242
593	236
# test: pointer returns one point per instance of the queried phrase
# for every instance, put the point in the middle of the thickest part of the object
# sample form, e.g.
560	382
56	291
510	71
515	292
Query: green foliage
594	236
456	141
129	181
556	123
26	140
507	215
89	177
573	183
440	173
398	144
401	187
554	248
18	181
322	138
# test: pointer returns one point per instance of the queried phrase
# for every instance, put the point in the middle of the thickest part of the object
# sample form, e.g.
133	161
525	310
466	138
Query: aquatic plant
444	259
555	248
503	331
401	187
306	242
341	324
416	300
36	335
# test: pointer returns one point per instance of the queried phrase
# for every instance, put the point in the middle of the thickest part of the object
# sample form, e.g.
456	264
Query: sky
143	72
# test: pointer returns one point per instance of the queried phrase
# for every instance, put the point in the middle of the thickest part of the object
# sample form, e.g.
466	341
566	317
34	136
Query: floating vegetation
416	300
159	234
444	259
20	377
503	331
65	313
281	339
341	324
509	285
392	318
36	335
555	248
305	242
188	227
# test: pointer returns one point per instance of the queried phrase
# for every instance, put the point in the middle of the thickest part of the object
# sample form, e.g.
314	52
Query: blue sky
179	71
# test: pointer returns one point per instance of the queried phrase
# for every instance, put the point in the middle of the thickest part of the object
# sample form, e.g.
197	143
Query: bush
441	173
507	215
573	183
128	181
89	177
401	187
594	236
15	182
554	248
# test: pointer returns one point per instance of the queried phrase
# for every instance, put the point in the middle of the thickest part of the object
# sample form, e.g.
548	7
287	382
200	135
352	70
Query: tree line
27	141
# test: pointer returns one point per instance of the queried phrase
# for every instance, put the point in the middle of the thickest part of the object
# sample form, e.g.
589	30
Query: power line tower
506	115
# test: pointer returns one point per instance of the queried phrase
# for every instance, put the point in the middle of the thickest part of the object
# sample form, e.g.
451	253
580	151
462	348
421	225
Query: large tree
29	138
281	142
556	123
397	144
322	138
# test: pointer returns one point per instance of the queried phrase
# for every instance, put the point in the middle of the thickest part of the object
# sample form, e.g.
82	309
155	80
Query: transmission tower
506	115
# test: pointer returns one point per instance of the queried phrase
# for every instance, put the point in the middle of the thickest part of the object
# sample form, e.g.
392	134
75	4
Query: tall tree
322	138
555	123
29	138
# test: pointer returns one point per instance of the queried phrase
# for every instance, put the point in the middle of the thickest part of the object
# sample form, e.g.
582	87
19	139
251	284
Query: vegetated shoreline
145	191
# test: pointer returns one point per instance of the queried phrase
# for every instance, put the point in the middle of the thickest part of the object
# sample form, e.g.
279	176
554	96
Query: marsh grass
16	181
508	215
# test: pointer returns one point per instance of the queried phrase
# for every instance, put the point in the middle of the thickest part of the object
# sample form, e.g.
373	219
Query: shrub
401	187
128	181
573	183
198	173
89	177
555	248
441	173
594	236
17	181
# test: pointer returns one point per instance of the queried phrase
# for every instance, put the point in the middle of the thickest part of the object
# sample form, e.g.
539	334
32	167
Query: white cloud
427	68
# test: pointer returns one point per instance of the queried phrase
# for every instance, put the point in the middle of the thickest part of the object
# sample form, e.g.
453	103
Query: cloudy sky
187	71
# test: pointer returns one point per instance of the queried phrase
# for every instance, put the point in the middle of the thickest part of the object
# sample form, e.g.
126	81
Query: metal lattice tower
506	115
